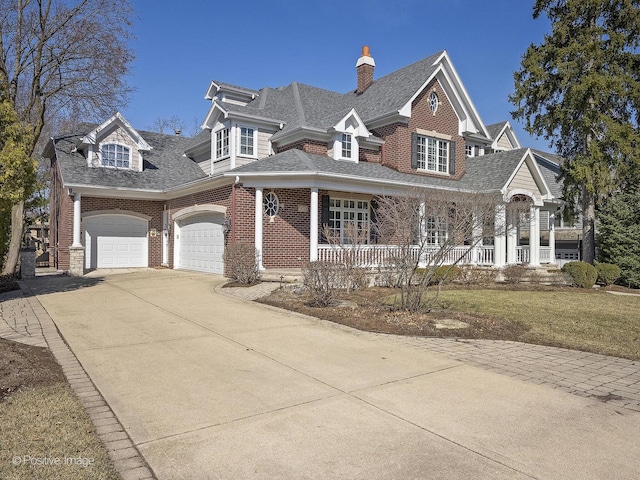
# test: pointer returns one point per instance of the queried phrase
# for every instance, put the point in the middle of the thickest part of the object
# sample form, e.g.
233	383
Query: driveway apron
210	386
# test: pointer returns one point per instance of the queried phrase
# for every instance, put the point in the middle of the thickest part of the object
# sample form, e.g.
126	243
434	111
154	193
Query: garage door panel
201	243
115	241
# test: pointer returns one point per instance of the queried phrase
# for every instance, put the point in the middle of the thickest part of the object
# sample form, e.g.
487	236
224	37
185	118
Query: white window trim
439	231
215	144
115	167
342	209
239	142
275	203
436	169
337	147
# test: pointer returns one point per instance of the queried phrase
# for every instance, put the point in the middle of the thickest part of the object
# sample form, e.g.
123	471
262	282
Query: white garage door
201	243
115	241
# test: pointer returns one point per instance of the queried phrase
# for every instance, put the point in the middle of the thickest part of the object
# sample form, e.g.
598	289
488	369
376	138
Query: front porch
373	256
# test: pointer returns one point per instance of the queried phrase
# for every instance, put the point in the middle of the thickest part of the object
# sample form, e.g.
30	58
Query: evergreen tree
580	89
619	235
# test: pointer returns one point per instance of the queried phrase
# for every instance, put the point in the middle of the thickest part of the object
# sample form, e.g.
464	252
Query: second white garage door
200	243
115	241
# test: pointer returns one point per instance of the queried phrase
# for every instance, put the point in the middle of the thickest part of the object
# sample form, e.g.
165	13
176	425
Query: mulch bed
24	367
366	310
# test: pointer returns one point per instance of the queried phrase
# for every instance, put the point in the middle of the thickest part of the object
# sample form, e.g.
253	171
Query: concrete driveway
209	386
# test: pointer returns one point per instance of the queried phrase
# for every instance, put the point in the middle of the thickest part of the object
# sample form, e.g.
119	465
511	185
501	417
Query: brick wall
309	146
398	136
371	156
61	220
285	238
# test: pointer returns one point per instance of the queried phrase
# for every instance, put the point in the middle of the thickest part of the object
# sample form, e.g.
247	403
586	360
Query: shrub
323	280
608	273
241	263
514	273
472	275
446	274
582	274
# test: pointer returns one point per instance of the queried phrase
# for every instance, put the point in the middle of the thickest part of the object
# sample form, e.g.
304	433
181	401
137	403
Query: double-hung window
346	147
432	154
114	155
435	230
349	220
222	143
247	141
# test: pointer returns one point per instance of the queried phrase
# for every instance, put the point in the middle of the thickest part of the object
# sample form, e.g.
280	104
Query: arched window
271	204
114	155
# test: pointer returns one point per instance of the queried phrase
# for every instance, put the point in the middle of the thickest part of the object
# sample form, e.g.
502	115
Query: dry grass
596	322
593	321
50	423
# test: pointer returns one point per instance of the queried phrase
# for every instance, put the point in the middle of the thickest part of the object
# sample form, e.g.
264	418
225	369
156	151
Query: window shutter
544	220
373	220
324	217
452	158
414	151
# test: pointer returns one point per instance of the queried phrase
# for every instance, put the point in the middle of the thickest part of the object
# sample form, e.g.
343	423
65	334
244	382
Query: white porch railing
523	255
371	256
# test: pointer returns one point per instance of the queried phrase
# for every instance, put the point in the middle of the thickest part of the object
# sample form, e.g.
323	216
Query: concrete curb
128	461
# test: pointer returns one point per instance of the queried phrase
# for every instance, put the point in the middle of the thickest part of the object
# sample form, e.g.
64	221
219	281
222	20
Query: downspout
382	154
233	209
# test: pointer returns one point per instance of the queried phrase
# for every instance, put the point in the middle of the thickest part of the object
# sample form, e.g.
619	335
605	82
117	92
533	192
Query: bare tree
61	59
424	230
172	124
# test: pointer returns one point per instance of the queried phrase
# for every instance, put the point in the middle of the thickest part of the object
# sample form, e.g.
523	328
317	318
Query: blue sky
181	46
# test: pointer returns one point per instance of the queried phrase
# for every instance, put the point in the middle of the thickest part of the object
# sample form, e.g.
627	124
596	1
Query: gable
525	182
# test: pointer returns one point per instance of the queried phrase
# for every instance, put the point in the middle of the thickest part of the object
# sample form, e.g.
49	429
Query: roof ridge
298	103
305	159
262	98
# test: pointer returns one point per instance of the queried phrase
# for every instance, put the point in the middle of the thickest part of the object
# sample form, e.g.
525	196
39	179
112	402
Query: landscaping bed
589	320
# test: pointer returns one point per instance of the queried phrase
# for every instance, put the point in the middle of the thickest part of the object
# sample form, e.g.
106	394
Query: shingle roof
488	174
164	166
495	128
300	105
550	170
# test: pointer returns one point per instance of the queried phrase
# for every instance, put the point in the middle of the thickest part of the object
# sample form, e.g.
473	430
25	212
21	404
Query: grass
45	424
587	320
591	321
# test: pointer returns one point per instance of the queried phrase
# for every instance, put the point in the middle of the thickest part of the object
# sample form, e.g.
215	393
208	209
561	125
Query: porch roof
488	173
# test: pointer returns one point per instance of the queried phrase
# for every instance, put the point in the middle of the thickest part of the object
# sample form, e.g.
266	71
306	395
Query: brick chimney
364	69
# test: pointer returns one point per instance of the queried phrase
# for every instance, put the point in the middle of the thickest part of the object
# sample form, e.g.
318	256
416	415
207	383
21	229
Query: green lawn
592	321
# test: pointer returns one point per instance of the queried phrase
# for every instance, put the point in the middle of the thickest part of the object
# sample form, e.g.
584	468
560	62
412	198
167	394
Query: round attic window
271	204
433	102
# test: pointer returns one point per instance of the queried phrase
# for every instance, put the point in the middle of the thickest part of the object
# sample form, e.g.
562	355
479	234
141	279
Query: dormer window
346	145
247	141
114	155
222	143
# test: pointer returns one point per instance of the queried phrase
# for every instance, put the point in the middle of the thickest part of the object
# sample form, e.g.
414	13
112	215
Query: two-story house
271	167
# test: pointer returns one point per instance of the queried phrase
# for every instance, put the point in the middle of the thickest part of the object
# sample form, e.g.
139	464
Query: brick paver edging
126	458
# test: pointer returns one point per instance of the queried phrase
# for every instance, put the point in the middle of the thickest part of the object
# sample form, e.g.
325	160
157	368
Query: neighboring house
272	166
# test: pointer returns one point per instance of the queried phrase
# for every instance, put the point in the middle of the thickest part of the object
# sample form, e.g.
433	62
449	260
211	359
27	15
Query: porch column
313	226
77	241
512	237
258	227
499	239
476	238
534	236
552	238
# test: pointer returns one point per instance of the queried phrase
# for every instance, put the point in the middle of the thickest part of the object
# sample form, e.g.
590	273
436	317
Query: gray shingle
164	166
